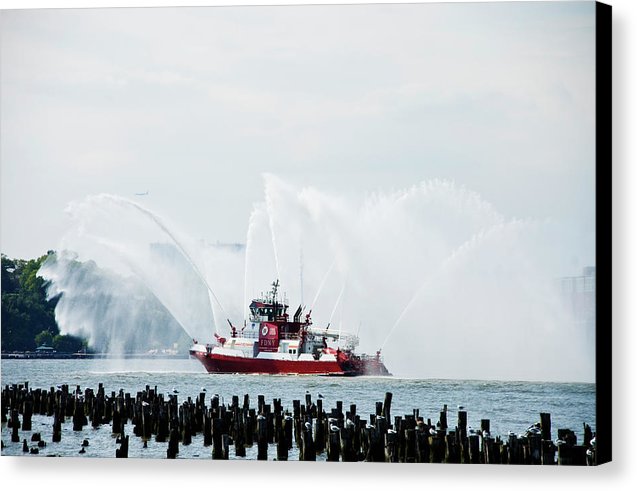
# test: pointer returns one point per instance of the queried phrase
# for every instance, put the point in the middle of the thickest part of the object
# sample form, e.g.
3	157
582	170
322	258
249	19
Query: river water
511	406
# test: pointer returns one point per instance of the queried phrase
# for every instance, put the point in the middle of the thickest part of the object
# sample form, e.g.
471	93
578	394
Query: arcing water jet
489	281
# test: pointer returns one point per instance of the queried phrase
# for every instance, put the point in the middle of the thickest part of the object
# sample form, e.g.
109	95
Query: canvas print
354	233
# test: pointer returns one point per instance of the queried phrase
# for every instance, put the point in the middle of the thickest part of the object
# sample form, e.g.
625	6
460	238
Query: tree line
28	316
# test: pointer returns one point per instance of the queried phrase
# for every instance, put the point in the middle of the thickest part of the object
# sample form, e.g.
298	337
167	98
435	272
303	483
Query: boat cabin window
267	312
261	311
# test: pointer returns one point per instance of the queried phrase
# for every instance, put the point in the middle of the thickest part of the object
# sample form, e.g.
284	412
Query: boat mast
275	287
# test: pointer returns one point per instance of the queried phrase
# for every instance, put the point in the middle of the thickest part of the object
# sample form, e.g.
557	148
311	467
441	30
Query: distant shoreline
26	355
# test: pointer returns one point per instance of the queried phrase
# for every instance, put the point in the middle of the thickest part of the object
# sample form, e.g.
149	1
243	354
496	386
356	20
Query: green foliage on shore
45	338
28	317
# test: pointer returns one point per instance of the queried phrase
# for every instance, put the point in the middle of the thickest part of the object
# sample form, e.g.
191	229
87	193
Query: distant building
578	294
236	246
44	349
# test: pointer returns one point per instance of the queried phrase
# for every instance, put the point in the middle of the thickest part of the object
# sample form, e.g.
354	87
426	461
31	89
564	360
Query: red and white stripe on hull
219	363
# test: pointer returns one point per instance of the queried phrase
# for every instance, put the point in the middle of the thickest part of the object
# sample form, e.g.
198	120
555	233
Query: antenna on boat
275	287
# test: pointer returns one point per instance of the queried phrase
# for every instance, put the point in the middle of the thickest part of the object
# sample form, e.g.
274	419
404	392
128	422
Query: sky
39	178
194	105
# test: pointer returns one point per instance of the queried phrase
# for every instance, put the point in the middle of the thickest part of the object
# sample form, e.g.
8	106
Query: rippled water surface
511	406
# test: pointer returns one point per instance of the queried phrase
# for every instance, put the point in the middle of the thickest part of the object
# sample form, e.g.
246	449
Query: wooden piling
439	448
238	430
173	443
474	448
391	455
262	440
568	452
78	415
122	451
282	442
387	406
535	449
409	452
422	443
379	408
27	413
163	426
250	427
336	435
443	419
225	445
217	439
319	428
376	440
548	452
348	452
489	450
207	429
57	426
307	442
545	425
334	443
15	426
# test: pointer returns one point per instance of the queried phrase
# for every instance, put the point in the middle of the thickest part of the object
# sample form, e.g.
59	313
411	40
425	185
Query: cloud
499	98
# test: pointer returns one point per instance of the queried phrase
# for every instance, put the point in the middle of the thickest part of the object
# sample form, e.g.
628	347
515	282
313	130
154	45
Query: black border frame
603	222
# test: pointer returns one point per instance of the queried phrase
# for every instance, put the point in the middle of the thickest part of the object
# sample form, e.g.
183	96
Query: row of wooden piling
336	435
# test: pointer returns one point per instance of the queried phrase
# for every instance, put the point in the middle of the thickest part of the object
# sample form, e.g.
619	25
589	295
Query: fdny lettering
269	337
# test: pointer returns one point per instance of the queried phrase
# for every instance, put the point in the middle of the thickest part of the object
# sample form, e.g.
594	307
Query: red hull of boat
216	363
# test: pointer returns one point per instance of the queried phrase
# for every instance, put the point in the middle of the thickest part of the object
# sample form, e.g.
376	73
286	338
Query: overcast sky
194	104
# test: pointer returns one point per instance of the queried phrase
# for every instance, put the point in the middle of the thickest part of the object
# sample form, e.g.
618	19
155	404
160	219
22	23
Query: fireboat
271	343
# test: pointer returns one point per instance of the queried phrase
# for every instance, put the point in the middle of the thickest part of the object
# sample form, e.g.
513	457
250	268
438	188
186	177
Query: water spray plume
435	275
181	248
249	240
127	244
301	271
338	301
269	206
322	284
